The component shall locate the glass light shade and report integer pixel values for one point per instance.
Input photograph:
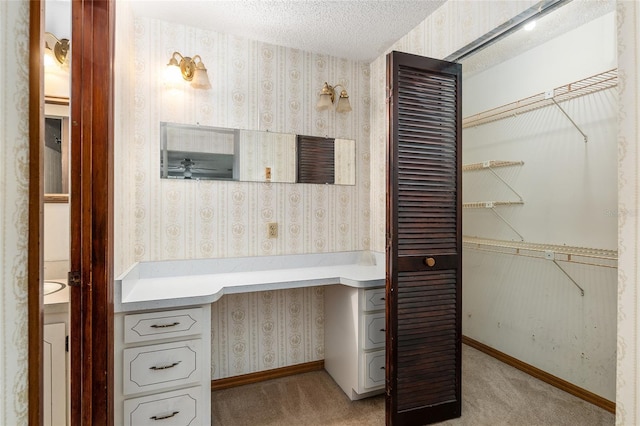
(48, 58)
(343, 104)
(200, 78)
(172, 75)
(324, 101)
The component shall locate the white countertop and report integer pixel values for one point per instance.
(153, 285)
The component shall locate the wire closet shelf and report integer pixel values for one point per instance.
(586, 86)
(580, 255)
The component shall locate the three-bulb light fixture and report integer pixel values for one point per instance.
(189, 69)
(327, 97)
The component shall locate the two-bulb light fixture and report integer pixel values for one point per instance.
(189, 69)
(56, 51)
(327, 97)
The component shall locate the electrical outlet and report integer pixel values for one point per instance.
(272, 230)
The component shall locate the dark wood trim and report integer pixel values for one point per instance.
(542, 375)
(35, 271)
(92, 212)
(56, 100)
(260, 376)
(56, 198)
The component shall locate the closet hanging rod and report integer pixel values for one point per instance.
(586, 86)
(579, 255)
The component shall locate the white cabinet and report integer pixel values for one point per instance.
(54, 380)
(355, 339)
(163, 367)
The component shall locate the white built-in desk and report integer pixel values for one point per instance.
(162, 326)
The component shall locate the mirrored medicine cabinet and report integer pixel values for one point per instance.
(195, 152)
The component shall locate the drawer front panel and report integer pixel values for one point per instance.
(177, 408)
(162, 325)
(374, 299)
(155, 367)
(374, 373)
(374, 330)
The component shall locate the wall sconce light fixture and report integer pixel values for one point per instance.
(327, 97)
(190, 69)
(57, 49)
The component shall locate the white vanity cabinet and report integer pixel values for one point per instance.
(163, 367)
(355, 339)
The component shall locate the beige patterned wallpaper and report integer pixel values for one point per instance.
(255, 86)
(14, 169)
(628, 379)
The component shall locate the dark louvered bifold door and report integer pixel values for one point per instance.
(424, 243)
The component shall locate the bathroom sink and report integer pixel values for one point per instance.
(53, 286)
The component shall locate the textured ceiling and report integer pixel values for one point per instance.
(354, 29)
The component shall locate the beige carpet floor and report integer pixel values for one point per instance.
(493, 393)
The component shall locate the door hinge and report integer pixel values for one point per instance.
(73, 278)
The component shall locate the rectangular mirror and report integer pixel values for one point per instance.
(56, 150)
(217, 153)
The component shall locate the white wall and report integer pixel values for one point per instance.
(56, 231)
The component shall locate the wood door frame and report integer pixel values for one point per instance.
(35, 255)
(91, 310)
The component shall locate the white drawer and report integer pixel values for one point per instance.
(162, 325)
(374, 330)
(153, 367)
(374, 299)
(176, 408)
(374, 373)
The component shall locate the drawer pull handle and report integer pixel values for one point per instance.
(164, 325)
(430, 262)
(168, 416)
(164, 367)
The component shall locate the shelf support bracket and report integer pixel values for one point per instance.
(507, 222)
(505, 182)
(572, 122)
(569, 276)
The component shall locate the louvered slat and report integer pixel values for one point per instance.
(417, 165)
(316, 160)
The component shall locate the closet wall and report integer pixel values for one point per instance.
(529, 307)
